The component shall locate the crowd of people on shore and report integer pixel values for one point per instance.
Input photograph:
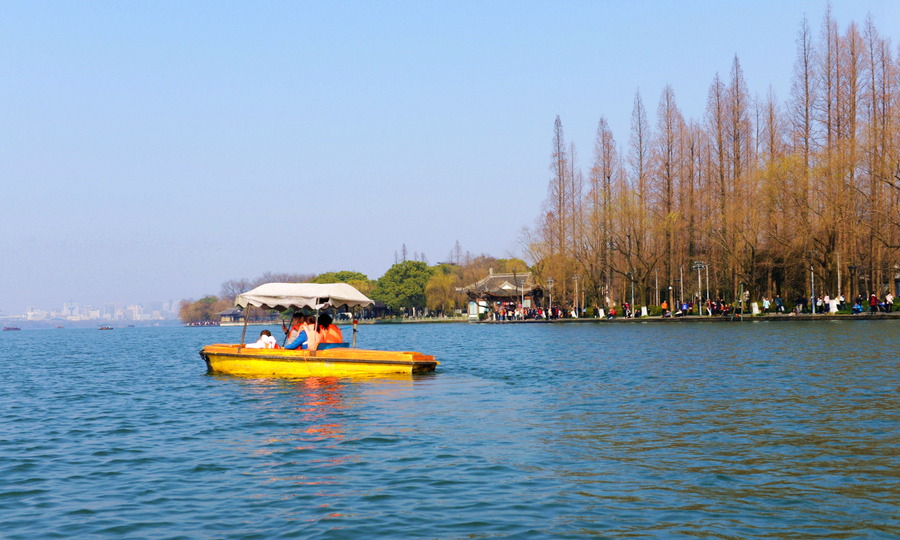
(511, 313)
(827, 304)
(711, 307)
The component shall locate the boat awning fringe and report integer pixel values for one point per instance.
(315, 296)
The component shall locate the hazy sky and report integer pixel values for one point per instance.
(151, 151)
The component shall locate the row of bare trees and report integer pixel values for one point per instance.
(234, 287)
(775, 197)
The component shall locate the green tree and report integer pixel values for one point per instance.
(360, 281)
(440, 291)
(403, 285)
(344, 276)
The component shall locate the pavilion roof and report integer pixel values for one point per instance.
(507, 285)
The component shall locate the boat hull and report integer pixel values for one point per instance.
(235, 360)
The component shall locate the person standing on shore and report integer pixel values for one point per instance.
(889, 302)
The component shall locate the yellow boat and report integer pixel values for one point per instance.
(236, 360)
(342, 360)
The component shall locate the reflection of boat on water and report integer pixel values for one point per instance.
(106, 328)
(319, 401)
(341, 360)
(10, 328)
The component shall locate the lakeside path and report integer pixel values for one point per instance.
(621, 320)
(712, 319)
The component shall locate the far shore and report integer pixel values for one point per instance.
(714, 318)
(622, 320)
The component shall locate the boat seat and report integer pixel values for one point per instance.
(325, 346)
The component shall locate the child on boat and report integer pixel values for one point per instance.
(266, 341)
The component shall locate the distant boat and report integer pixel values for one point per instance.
(59, 326)
(130, 326)
(8, 328)
(106, 328)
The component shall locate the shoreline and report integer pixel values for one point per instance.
(713, 319)
(622, 320)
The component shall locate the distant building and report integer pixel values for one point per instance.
(35, 314)
(235, 316)
(497, 290)
(231, 316)
(133, 312)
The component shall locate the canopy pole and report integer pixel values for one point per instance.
(246, 318)
(316, 330)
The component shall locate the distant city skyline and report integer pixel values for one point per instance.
(159, 149)
(111, 311)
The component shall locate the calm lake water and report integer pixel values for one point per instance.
(750, 430)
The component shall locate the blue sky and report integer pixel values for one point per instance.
(151, 151)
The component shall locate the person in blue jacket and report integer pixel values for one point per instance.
(300, 342)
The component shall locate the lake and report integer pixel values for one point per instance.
(752, 430)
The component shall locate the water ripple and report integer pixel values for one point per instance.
(726, 431)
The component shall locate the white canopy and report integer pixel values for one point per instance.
(284, 296)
